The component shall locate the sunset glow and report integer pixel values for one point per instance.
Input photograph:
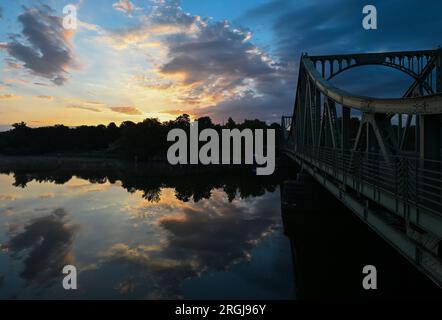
(126, 61)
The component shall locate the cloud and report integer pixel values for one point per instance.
(43, 84)
(336, 26)
(208, 63)
(44, 46)
(8, 96)
(4, 85)
(204, 65)
(125, 6)
(83, 108)
(166, 18)
(12, 65)
(50, 98)
(126, 110)
(97, 103)
(217, 57)
(266, 107)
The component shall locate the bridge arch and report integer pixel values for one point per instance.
(395, 66)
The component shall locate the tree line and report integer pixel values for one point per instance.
(149, 178)
(144, 140)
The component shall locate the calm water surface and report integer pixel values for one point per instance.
(148, 233)
(126, 242)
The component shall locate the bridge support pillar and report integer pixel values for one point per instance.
(438, 118)
(439, 71)
(345, 131)
(430, 135)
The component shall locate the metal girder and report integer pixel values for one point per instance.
(405, 70)
(421, 105)
(333, 129)
(405, 132)
(385, 138)
(421, 78)
(378, 56)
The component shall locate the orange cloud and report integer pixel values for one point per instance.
(50, 98)
(8, 96)
(83, 108)
(98, 103)
(127, 110)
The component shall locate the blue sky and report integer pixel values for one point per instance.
(132, 59)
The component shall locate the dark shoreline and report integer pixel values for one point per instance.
(149, 167)
(195, 181)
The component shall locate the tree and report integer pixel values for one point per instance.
(183, 119)
(230, 124)
(20, 125)
(127, 124)
(205, 122)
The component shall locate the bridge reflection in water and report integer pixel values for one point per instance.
(379, 157)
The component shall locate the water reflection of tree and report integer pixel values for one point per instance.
(196, 185)
(23, 178)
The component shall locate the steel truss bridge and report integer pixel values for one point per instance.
(380, 157)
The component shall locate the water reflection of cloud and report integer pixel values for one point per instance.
(207, 236)
(129, 245)
(139, 208)
(49, 240)
(6, 212)
(216, 235)
(155, 275)
(47, 196)
(83, 186)
(8, 197)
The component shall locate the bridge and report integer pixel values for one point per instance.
(380, 157)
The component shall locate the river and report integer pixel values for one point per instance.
(142, 233)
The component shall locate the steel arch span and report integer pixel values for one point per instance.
(381, 157)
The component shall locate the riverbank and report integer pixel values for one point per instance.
(79, 163)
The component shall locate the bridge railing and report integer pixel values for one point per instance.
(416, 181)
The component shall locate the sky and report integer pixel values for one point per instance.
(134, 59)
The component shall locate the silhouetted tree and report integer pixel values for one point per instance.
(230, 124)
(144, 140)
